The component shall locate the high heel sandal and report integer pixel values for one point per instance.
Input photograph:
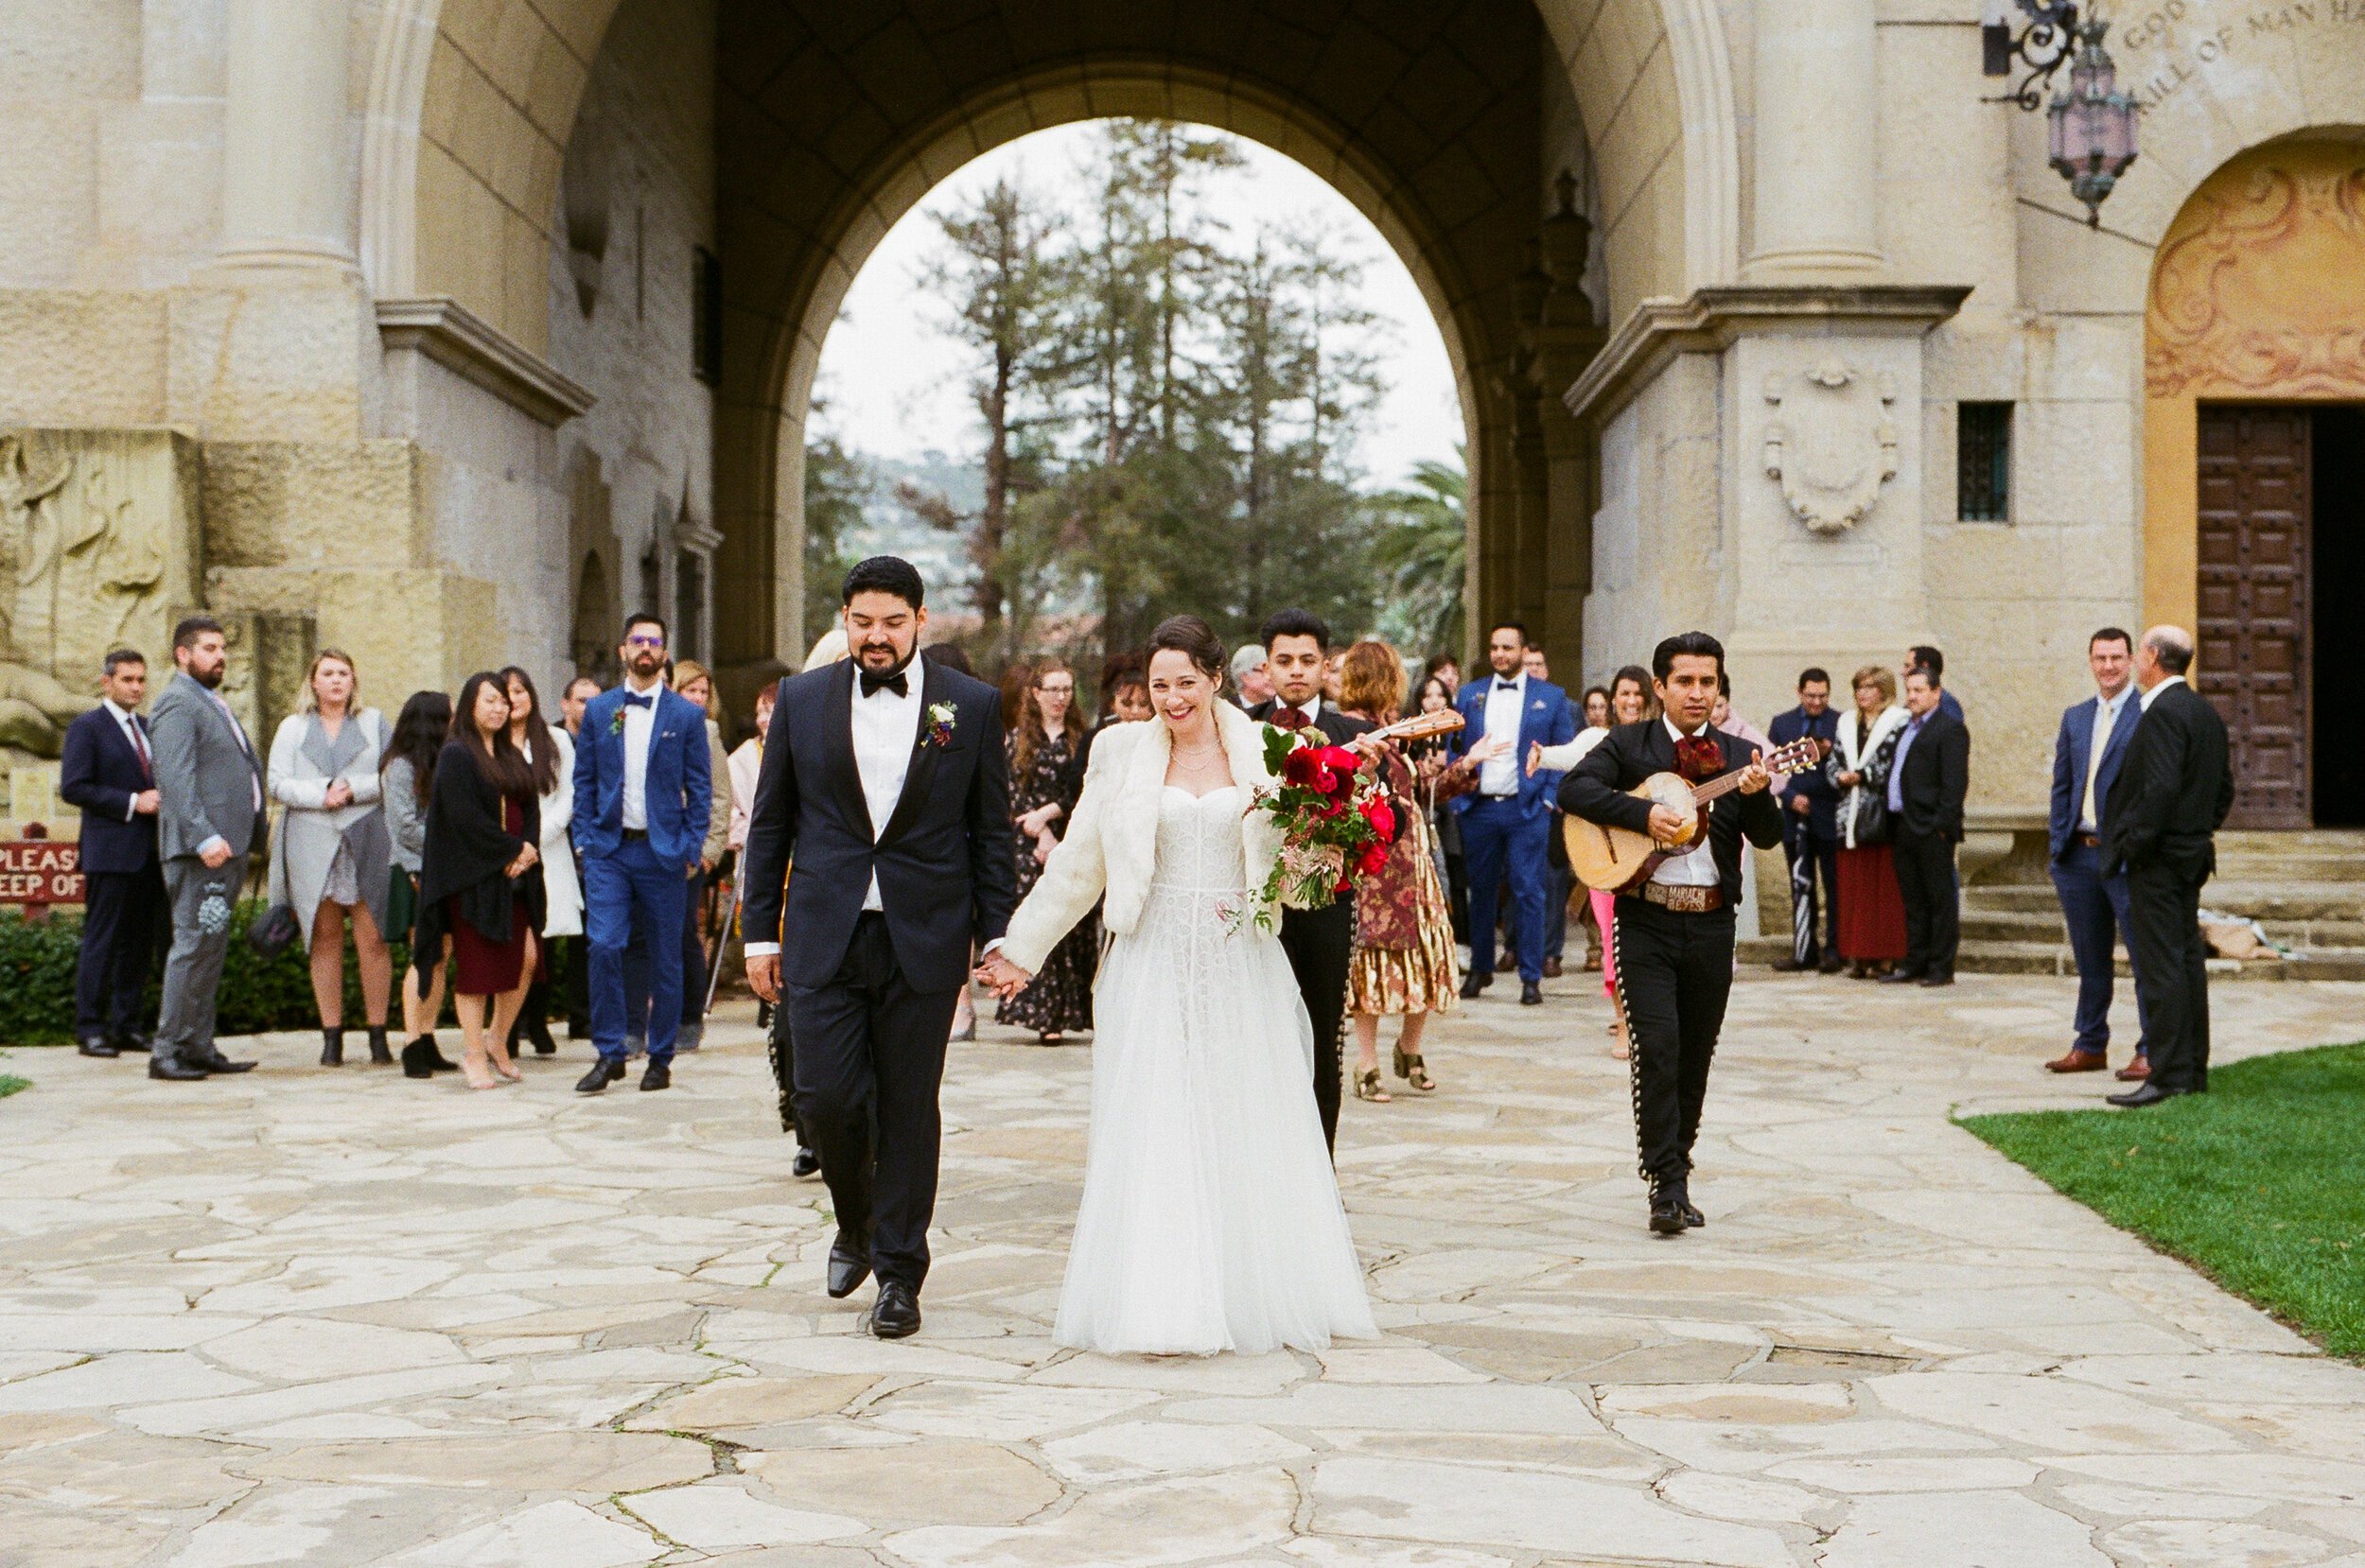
(1413, 1070)
(1367, 1087)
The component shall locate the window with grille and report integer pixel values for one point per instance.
(1982, 463)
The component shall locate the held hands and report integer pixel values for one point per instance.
(1002, 977)
(147, 802)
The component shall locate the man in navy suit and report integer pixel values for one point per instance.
(109, 774)
(2086, 758)
(644, 800)
(1507, 821)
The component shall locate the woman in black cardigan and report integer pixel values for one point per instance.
(481, 879)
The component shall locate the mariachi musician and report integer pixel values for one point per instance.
(1672, 929)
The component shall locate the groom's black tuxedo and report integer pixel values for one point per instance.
(869, 994)
(1321, 944)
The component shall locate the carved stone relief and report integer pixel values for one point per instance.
(1831, 443)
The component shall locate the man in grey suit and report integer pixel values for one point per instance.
(209, 819)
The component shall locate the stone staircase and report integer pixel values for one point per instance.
(2306, 889)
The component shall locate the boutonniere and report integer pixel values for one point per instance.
(616, 723)
(939, 730)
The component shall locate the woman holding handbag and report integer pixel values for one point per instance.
(1871, 910)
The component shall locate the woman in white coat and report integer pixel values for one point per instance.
(550, 752)
(331, 861)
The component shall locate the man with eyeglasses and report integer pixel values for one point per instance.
(644, 800)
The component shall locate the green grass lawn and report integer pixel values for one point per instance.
(9, 1086)
(2260, 1183)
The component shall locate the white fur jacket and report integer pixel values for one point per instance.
(1112, 845)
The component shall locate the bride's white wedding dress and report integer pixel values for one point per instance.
(1211, 1218)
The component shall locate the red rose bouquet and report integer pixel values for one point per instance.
(1336, 823)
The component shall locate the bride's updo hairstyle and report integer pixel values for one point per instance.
(1191, 638)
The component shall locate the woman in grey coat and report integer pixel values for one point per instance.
(332, 856)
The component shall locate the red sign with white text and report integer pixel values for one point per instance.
(40, 871)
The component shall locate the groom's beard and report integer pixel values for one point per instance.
(862, 662)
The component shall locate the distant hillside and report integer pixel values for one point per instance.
(889, 528)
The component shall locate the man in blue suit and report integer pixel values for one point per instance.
(109, 774)
(1507, 821)
(2086, 759)
(643, 798)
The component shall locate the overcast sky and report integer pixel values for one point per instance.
(896, 386)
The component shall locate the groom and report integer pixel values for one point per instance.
(883, 778)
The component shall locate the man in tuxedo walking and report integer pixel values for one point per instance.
(2087, 755)
(644, 801)
(209, 819)
(2159, 821)
(1507, 821)
(109, 774)
(1672, 929)
(1320, 942)
(1810, 829)
(884, 778)
(1928, 785)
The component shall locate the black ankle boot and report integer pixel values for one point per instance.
(418, 1058)
(1668, 1200)
(332, 1048)
(379, 1054)
(437, 1060)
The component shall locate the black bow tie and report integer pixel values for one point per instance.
(1506, 686)
(647, 700)
(899, 683)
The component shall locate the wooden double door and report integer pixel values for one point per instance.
(2281, 519)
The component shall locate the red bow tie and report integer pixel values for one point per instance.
(1697, 758)
(1288, 718)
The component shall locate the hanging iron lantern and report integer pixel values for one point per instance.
(2092, 130)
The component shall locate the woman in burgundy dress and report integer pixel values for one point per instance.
(1871, 909)
(480, 877)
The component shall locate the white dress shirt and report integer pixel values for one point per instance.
(138, 742)
(2108, 711)
(2149, 696)
(1505, 706)
(886, 729)
(639, 734)
(1695, 867)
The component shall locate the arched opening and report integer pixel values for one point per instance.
(2254, 465)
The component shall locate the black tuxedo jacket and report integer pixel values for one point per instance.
(1595, 789)
(947, 874)
(1937, 779)
(2173, 789)
(98, 774)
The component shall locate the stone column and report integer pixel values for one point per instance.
(1817, 121)
(286, 190)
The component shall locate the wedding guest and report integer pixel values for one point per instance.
(108, 773)
(746, 763)
(480, 879)
(1864, 752)
(691, 682)
(549, 757)
(210, 811)
(1560, 758)
(1560, 879)
(1507, 820)
(644, 800)
(331, 859)
(1404, 959)
(1595, 714)
(571, 703)
(1432, 758)
(1631, 701)
(1922, 657)
(1446, 668)
(406, 777)
(1044, 784)
(2163, 813)
(1596, 705)
(2087, 755)
(1927, 789)
(1252, 682)
(1810, 830)
(1124, 700)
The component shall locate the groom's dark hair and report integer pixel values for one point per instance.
(885, 574)
(1295, 623)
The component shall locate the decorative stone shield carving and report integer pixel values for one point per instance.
(1831, 443)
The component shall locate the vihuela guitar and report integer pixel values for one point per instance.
(1609, 858)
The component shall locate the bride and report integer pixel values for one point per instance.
(1211, 1218)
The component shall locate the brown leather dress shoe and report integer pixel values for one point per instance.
(2078, 1061)
(2135, 1071)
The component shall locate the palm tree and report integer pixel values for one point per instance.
(1424, 550)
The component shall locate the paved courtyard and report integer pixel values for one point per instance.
(329, 1318)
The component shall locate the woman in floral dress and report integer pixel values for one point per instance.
(1045, 783)
(1404, 957)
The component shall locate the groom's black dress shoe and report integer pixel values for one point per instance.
(850, 1266)
(896, 1313)
(2145, 1093)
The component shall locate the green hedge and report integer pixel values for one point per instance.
(257, 993)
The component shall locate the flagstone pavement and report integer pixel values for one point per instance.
(319, 1317)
